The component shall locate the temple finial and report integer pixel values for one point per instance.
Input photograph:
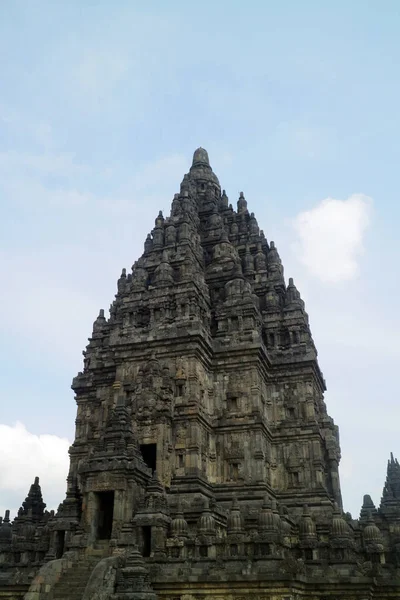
(200, 157)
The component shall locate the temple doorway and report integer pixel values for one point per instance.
(146, 540)
(149, 454)
(60, 540)
(106, 514)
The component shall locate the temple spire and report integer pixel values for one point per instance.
(33, 505)
(391, 490)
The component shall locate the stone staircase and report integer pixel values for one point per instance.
(72, 583)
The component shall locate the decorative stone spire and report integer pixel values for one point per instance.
(286, 527)
(274, 262)
(164, 274)
(234, 522)
(234, 228)
(159, 222)
(275, 512)
(248, 262)
(118, 435)
(6, 530)
(185, 186)
(148, 245)
(391, 490)
(170, 235)
(242, 203)
(307, 528)
(371, 531)
(368, 507)
(99, 323)
(372, 536)
(155, 495)
(158, 238)
(33, 506)
(179, 526)
(139, 275)
(206, 523)
(293, 299)
(266, 521)
(253, 226)
(122, 282)
(224, 202)
(340, 530)
(133, 581)
(260, 260)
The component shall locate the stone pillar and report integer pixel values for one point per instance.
(334, 472)
(158, 541)
(255, 399)
(194, 460)
(193, 453)
(118, 511)
(91, 517)
(310, 409)
(51, 553)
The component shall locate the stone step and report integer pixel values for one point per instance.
(81, 572)
(78, 575)
(82, 569)
(68, 581)
(70, 588)
(67, 593)
(74, 578)
(77, 579)
(59, 594)
(73, 582)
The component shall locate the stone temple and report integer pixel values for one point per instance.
(205, 464)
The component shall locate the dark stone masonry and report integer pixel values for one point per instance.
(205, 464)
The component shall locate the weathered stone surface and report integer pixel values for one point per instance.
(101, 583)
(48, 576)
(203, 441)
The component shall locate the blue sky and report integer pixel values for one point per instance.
(101, 107)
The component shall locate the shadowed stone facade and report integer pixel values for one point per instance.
(205, 465)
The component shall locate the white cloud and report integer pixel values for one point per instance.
(23, 456)
(330, 237)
